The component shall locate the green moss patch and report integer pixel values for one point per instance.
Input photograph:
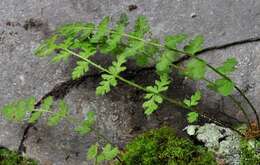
(162, 147)
(8, 157)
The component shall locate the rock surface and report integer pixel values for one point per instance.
(222, 141)
(23, 24)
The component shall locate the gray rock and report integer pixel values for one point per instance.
(222, 141)
(23, 24)
(246, 77)
(62, 145)
(119, 117)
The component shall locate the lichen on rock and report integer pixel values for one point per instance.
(224, 142)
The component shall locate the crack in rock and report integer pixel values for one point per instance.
(235, 43)
(60, 90)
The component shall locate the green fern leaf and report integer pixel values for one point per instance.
(47, 103)
(173, 40)
(92, 152)
(194, 100)
(110, 79)
(30, 104)
(45, 106)
(58, 116)
(114, 39)
(85, 126)
(47, 47)
(102, 31)
(165, 62)
(223, 87)
(192, 117)
(87, 49)
(149, 51)
(124, 20)
(17, 111)
(152, 97)
(108, 153)
(105, 85)
(62, 56)
(141, 27)
(76, 30)
(195, 69)
(228, 66)
(34, 117)
(194, 45)
(80, 70)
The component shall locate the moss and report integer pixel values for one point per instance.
(248, 154)
(8, 157)
(162, 147)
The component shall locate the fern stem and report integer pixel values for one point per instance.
(208, 65)
(236, 103)
(173, 101)
(74, 120)
(231, 97)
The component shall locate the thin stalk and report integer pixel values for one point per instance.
(175, 102)
(231, 97)
(194, 56)
(236, 103)
(208, 65)
(74, 120)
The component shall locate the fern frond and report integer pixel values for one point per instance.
(169, 56)
(76, 30)
(113, 40)
(108, 153)
(102, 31)
(45, 106)
(58, 116)
(195, 45)
(194, 100)
(141, 27)
(17, 111)
(80, 70)
(228, 66)
(105, 85)
(47, 47)
(85, 126)
(153, 98)
(195, 69)
(110, 79)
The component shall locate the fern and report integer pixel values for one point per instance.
(228, 66)
(110, 79)
(102, 31)
(153, 97)
(194, 100)
(108, 153)
(168, 57)
(58, 116)
(85, 126)
(195, 69)
(194, 45)
(192, 117)
(46, 105)
(48, 47)
(114, 39)
(80, 70)
(92, 152)
(78, 30)
(223, 86)
(17, 111)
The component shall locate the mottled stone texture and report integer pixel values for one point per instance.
(24, 23)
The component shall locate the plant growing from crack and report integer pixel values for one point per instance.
(84, 40)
